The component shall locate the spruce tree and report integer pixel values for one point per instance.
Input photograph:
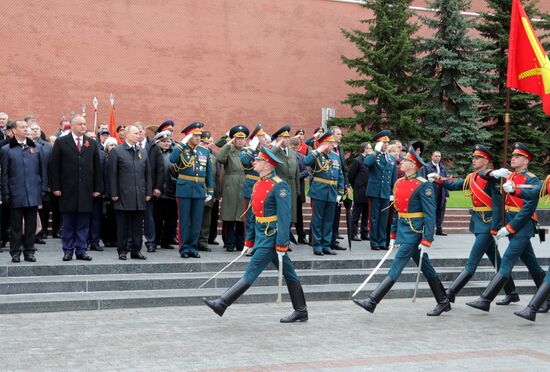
(388, 91)
(456, 66)
(529, 124)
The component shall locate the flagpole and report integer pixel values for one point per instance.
(504, 162)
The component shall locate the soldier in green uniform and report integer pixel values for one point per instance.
(540, 303)
(206, 142)
(232, 208)
(288, 170)
(412, 228)
(194, 187)
(271, 205)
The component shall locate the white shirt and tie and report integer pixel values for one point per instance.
(78, 141)
(436, 165)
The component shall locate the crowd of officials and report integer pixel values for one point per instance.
(101, 189)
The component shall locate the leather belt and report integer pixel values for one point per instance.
(411, 215)
(191, 178)
(322, 180)
(266, 219)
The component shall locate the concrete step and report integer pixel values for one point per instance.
(206, 265)
(131, 282)
(49, 302)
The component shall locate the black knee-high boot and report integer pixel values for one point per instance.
(489, 294)
(511, 293)
(231, 295)
(459, 283)
(443, 303)
(376, 296)
(298, 303)
(530, 312)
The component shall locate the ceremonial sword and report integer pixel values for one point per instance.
(418, 274)
(279, 293)
(226, 266)
(373, 272)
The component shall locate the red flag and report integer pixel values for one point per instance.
(112, 124)
(528, 64)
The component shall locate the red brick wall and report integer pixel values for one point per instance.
(221, 62)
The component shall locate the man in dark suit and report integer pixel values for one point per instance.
(75, 177)
(5, 208)
(336, 221)
(131, 188)
(359, 179)
(441, 193)
(3, 121)
(23, 183)
(157, 177)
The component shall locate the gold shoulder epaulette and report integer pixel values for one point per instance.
(421, 179)
(277, 179)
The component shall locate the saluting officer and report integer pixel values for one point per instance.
(248, 153)
(232, 208)
(194, 187)
(288, 170)
(271, 203)
(540, 303)
(382, 176)
(412, 228)
(327, 188)
(484, 192)
(519, 227)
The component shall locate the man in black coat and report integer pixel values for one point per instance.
(75, 177)
(156, 162)
(5, 208)
(131, 188)
(441, 193)
(359, 179)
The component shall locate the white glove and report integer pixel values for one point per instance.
(392, 198)
(186, 139)
(208, 198)
(432, 177)
(392, 243)
(378, 146)
(509, 187)
(254, 142)
(338, 198)
(500, 173)
(502, 233)
(280, 254)
(423, 247)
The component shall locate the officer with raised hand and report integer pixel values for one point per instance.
(194, 186)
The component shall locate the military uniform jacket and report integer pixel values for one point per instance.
(290, 173)
(484, 192)
(129, 177)
(382, 174)
(540, 191)
(194, 170)
(232, 207)
(215, 178)
(271, 206)
(23, 174)
(76, 174)
(414, 217)
(328, 178)
(520, 213)
(247, 156)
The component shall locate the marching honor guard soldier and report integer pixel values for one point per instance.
(327, 189)
(540, 303)
(382, 176)
(412, 228)
(484, 192)
(288, 170)
(247, 155)
(194, 187)
(519, 227)
(232, 208)
(271, 203)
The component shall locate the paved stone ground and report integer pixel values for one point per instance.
(339, 337)
(452, 246)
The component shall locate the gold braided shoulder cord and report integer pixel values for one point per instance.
(466, 185)
(185, 164)
(322, 168)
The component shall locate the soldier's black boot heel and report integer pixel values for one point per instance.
(298, 303)
(443, 303)
(539, 281)
(489, 294)
(511, 294)
(459, 283)
(376, 296)
(219, 305)
(530, 312)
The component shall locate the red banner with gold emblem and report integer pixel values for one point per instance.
(528, 64)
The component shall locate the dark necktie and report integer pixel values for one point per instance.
(78, 146)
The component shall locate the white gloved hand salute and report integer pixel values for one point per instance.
(379, 146)
(186, 139)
